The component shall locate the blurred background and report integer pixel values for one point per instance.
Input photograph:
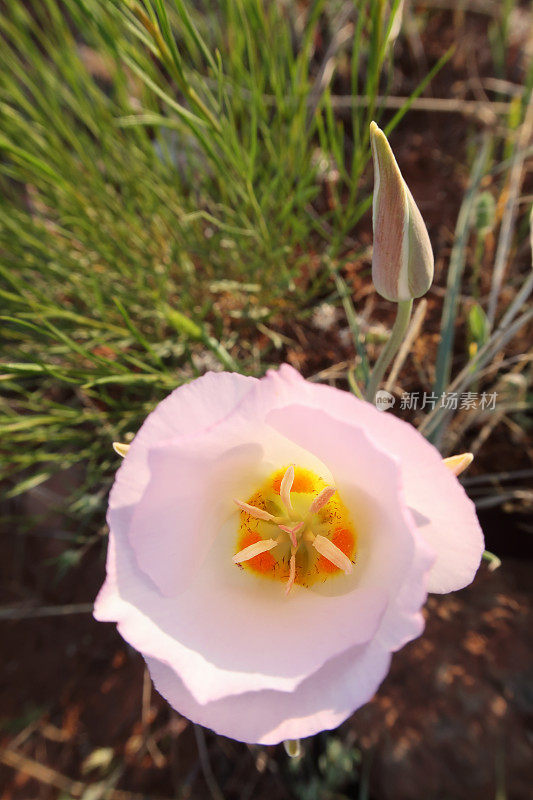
(186, 187)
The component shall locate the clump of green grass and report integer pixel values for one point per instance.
(161, 190)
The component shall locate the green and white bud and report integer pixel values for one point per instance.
(402, 260)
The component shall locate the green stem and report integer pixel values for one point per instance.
(403, 315)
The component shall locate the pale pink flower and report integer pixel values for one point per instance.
(350, 516)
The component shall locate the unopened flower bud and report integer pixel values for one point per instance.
(402, 261)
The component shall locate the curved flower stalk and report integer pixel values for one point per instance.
(271, 545)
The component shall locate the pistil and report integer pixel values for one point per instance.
(292, 531)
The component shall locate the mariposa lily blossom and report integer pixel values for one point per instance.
(272, 543)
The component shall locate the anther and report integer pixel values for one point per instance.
(458, 464)
(253, 550)
(292, 573)
(321, 499)
(330, 551)
(256, 513)
(285, 488)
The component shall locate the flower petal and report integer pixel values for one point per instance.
(188, 410)
(321, 702)
(187, 499)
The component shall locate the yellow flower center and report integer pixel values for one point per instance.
(295, 529)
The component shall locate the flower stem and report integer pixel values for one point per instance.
(401, 322)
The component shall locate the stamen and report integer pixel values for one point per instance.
(120, 449)
(458, 464)
(330, 551)
(254, 550)
(292, 574)
(286, 486)
(321, 499)
(256, 513)
(296, 504)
